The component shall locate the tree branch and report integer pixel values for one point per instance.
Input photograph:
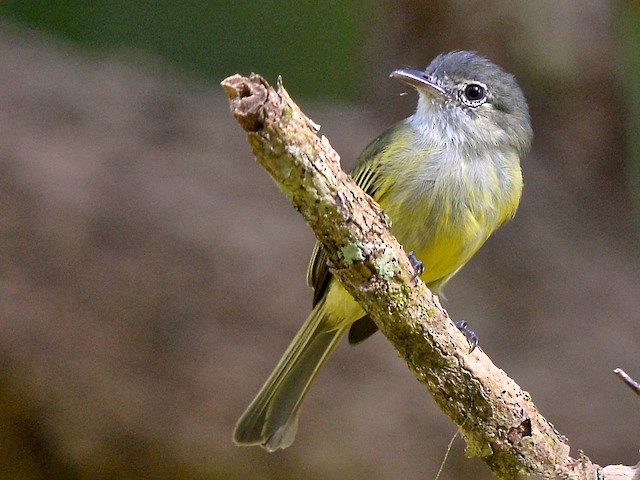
(497, 418)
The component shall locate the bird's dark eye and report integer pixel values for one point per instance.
(473, 91)
(474, 94)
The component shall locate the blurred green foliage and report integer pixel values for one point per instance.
(630, 42)
(315, 46)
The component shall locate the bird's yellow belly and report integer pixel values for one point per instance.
(442, 257)
(444, 227)
(443, 242)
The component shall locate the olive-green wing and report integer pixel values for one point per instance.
(366, 176)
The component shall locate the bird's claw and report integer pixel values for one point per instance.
(418, 267)
(469, 334)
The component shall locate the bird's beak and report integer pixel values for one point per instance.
(419, 80)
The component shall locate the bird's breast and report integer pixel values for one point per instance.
(445, 205)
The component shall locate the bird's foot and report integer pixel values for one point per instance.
(418, 267)
(469, 334)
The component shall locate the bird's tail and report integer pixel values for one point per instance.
(271, 420)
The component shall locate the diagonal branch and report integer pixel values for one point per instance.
(497, 418)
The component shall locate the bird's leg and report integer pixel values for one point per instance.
(418, 267)
(469, 334)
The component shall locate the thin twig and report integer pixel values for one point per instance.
(633, 385)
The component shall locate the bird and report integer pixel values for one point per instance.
(447, 177)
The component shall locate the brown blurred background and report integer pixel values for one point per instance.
(152, 274)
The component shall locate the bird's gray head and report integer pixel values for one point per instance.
(469, 100)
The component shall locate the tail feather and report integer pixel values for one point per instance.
(271, 420)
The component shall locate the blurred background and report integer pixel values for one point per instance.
(152, 274)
